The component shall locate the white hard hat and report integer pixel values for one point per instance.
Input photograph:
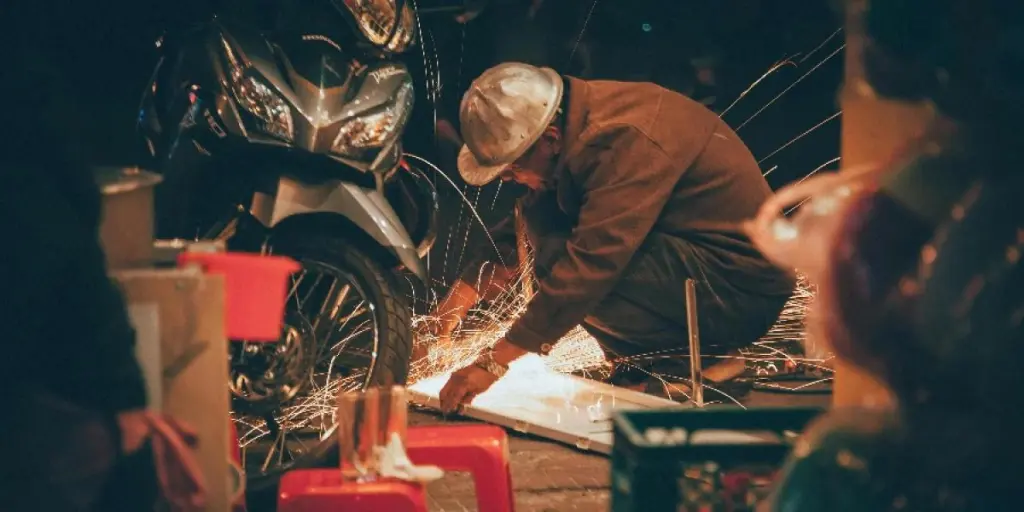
(503, 113)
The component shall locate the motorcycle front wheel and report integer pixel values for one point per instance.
(347, 328)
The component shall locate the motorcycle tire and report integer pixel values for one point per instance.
(393, 317)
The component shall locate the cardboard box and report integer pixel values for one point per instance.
(183, 350)
(126, 232)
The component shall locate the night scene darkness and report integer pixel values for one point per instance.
(512, 255)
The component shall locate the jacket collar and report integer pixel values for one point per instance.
(576, 115)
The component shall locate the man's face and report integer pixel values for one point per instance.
(535, 169)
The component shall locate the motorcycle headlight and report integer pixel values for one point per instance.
(379, 20)
(273, 116)
(374, 130)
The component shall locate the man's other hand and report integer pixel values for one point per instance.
(463, 386)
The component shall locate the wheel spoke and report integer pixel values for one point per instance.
(334, 325)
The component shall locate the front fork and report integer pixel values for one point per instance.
(241, 232)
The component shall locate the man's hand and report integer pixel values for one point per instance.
(463, 386)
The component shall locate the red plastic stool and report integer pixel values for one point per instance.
(321, 490)
(479, 449)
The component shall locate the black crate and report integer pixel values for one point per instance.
(698, 457)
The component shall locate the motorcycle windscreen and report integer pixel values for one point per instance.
(320, 75)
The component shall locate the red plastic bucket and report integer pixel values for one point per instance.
(256, 288)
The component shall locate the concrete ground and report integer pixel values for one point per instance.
(546, 476)
(551, 477)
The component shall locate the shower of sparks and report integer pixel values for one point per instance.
(791, 86)
(583, 30)
(578, 352)
(802, 135)
(484, 326)
(775, 67)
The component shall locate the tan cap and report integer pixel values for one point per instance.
(503, 113)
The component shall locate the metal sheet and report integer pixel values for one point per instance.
(534, 400)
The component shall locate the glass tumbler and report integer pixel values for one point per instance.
(367, 421)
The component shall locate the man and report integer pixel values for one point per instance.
(633, 190)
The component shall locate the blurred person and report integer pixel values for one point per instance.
(924, 284)
(633, 190)
(924, 292)
(76, 430)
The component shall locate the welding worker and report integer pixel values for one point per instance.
(633, 189)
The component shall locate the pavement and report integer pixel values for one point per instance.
(546, 476)
(552, 477)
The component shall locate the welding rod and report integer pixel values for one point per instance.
(696, 370)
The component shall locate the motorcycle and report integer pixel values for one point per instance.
(287, 140)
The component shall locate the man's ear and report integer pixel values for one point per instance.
(553, 135)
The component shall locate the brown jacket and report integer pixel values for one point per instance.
(641, 159)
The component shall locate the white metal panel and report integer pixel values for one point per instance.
(535, 400)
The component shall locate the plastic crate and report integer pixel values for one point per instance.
(700, 460)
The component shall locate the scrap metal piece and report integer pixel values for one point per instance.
(535, 400)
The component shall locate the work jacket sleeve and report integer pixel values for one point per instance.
(503, 251)
(625, 180)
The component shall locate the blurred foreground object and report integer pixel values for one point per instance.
(126, 232)
(963, 56)
(715, 459)
(372, 427)
(873, 128)
(926, 279)
(802, 240)
(481, 450)
(179, 318)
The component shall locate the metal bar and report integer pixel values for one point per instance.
(696, 369)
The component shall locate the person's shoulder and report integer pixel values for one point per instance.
(677, 125)
(617, 110)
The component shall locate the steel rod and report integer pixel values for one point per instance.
(692, 325)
